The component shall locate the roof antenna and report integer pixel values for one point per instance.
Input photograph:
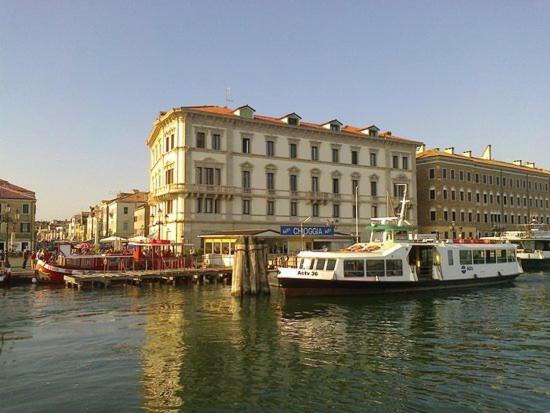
(228, 96)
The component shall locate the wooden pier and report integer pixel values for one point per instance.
(168, 276)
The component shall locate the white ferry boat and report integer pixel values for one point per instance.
(394, 261)
(533, 246)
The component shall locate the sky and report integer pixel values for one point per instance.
(81, 82)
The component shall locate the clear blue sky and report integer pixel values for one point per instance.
(82, 81)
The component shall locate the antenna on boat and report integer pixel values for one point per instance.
(403, 204)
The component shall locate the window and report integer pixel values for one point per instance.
(125, 210)
(462, 195)
(314, 153)
(172, 141)
(398, 190)
(26, 208)
(169, 176)
(270, 178)
(320, 264)
(293, 150)
(501, 256)
(169, 206)
(246, 145)
(354, 185)
(445, 215)
(374, 188)
(335, 186)
(375, 268)
(452, 174)
(453, 195)
(315, 209)
(432, 173)
(294, 183)
(444, 173)
(335, 155)
(336, 210)
(394, 268)
(246, 206)
(246, 179)
(465, 257)
(331, 264)
(395, 162)
(201, 140)
(293, 209)
(512, 256)
(374, 211)
(432, 193)
(24, 227)
(216, 141)
(433, 215)
(354, 268)
(450, 257)
(372, 159)
(445, 193)
(167, 144)
(314, 184)
(354, 157)
(461, 175)
(292, 121)
(490, 256)
(270, 207)
(479, 256)
(405, 162)
(199, 205)
(270, 148)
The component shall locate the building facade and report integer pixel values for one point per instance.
(78, 227)
(141, 220)
(460, 195)
(17, 217)
(217, 169)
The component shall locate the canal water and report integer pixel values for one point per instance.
(194, 348)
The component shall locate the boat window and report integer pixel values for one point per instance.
(354, 268)
(501, 255)
(311, 264)
(320, 265)
(479, 256)
(375, 268)
(465, 257)
(450, 257)
(331, 264)
(511, 255)
(490, 256)
(394, 268)
(301, 263)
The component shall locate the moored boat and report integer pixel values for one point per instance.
(396, 261)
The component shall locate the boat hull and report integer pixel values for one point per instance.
(535, 264)
(308, 287)
(53, 274)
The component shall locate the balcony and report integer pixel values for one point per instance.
(192, 190)
(319, 197)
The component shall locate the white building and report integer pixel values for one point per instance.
(215, 169)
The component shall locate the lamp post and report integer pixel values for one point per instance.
(357, 214)
(302, 232)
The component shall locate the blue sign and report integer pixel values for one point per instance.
(308, 230)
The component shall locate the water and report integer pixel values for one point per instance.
(195, 348)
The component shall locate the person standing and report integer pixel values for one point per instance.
(26, 255)
(33, 260)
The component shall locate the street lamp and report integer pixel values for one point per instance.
(302, 232)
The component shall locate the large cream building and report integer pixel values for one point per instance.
(17, 217)
(215, 169)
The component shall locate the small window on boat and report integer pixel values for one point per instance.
(394, 268)
(511, 255)
(354, 268)
(375, 268)
(490, 256)
(465, 257)
(450, 257)
(310, 264)
(501, 256)
(331, 264)
(479, 256)
(320, 265)
(301, 263)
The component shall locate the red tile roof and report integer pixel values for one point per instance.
(11, 191)
(219, 110)
(431, 153)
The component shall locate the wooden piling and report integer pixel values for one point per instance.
(253, 265)
(238, 267)
(264, 282)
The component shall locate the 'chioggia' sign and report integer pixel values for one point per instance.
(309, 230)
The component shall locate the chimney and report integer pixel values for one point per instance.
(487, 153)
(450, 150)
(530, 164)
(518, 162)
(467, 154)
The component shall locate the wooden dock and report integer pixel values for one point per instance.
(167, 276)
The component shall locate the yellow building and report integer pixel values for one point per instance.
(17, 217)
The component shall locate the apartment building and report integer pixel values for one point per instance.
(216, 169)
(17, 217)
(78, 227)
(115, 217)
(461, 195)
